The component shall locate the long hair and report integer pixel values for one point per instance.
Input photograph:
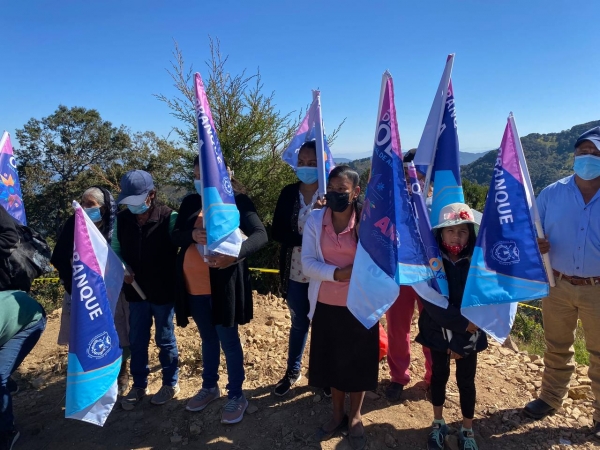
(466, 252)
(352, 175)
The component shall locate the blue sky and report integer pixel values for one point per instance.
(536, 58)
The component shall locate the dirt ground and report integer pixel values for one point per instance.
(506, 380)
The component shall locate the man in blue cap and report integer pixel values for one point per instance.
(570, 214)
(142, 239)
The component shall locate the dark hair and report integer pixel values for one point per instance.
(238, 187)
(348, 172)
(409, 155)
(466, 252)
(311, 145)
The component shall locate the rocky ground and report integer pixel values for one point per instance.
(506, 380)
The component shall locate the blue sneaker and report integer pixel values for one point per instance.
(466, 440)
(437, 436)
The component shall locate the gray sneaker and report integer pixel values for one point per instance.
(165, 394)
(233, 412)
(133, 398)
(201, 400)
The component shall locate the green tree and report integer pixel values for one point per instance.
(252, 131)
(167, 162)
(475, 194)
(55, 154)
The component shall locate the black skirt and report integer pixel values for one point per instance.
(343, 354)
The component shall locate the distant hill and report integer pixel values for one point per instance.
(468, 158)
(360, 165)
(341, 160)
(549, 157)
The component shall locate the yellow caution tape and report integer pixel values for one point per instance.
(264, 270)
(529, 306)
(47, 280)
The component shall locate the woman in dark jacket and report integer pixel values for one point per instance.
(218, 295)
(447, 333)
(294, 205)
(101, 208)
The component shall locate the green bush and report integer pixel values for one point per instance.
(48, 293)
(528, 330)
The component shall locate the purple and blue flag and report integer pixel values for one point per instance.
(506, 266)
(10, 187)
(221, 216)
(94, 359)
(438, 152)
(311, 128)
(390, 251)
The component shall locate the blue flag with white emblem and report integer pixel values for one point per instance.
(506, 266)
(94, 359)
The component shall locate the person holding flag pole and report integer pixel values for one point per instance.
(217, 229)
(295, 203)
(142, 240)
(569, 212)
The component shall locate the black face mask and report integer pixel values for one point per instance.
(337, 201)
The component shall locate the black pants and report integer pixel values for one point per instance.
(465, 379)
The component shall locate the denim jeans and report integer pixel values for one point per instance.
(215, 337)
(297, 300)
(140, 322)
(12, 354)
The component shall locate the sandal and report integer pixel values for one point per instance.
(358, 442)
(323, 435)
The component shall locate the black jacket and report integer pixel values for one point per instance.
(433, 320)
(63, 250)
(231, 291)
(9, 238)
(150, 253)
(285, 230)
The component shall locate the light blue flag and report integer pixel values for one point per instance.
(94, 359)
(310, 127)
(220, 213)
(506, 266)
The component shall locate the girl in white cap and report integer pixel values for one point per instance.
(447, 333)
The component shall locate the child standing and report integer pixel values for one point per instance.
(447, 333)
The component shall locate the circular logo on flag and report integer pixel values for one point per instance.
(227, 186)
(506, 252)
(99, 346)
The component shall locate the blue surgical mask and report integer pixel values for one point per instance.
(94, 214)
(587, 167)
(307, 175)
(138, 209)
(198, 186)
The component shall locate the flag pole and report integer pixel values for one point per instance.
(320, 146)
(200, 142)
(533, 210)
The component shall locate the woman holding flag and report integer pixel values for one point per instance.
(344, 355)
(294, 205)
(216, 292)
(447, 333)
(100, 206)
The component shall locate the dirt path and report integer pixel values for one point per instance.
(506, 380)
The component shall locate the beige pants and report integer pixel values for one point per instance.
(561, 309)
(121, 321)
